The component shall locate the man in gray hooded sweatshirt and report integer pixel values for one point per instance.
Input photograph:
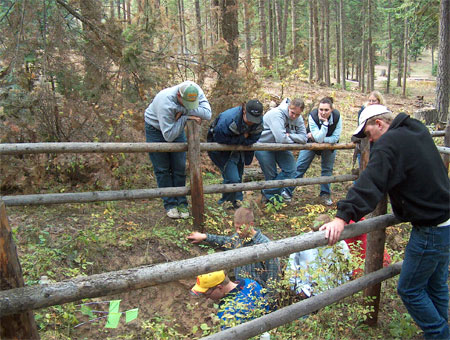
(165, 119)
(283, 124)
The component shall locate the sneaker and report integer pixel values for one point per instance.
(286, 196)
(184, 212)
(327, 200)
(173, 213)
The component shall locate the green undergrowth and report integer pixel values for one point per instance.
(63, 242)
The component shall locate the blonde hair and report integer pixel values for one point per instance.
(244, 216)
(378, 96)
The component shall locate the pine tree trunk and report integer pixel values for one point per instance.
(279, 26)
(370, 74)
(230, 31)
(201, 69)
(248, 42)
(320, 10)
(262, 32)
(284, 24)
(294, 9)
(129, 12)
(311, 42)
(275, 35)
(388, 81)
(326, 7)
(443, 75)
(318, 60)
(271, 30)
(341, 29)
(362, 80)
(405, 56)
(338, 42)
(94, 52)
(399, 64)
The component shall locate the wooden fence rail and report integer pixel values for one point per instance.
(18, 300)
(96, 196)
(37, 148)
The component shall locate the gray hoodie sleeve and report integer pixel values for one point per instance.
(298, 133)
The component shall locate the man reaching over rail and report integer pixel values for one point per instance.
(267, 272)
(405, 163)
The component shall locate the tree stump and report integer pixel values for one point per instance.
(427, 114)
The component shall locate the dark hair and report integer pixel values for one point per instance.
(327, 100)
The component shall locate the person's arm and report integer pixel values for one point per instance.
(221, 241)
(365, 194)
(317, 134)
(227, 132)
(300, 135)
(334, 138)
(253, 135)
(196, 237)
(171, 127)
(277, 127)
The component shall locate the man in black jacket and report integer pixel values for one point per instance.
(405, 163)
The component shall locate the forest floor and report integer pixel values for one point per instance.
(63, 242)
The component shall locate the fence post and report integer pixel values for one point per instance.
(195, 171)
(375, 246)
(15, 326)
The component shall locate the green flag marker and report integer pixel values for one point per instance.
(113, 320)
(114, 306)
(131, 314)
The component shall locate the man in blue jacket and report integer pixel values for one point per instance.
(241, 125)
(405, 163)
(165, 119)
(239, 301)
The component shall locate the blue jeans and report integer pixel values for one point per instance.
(169, 167)
(423, 280)
(232, 173)
(305, 157)
(268, 161)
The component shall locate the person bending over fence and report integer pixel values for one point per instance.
(165, 119)
(283, 124)
(324, 126)
(266, 273)
(239, 301)
(405, 163)
(241, 125)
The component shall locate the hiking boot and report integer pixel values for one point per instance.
(327, 200)
(286, 196)
(173, 213)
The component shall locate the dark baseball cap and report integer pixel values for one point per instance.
(254, 111)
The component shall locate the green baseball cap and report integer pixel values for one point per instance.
(189, 95)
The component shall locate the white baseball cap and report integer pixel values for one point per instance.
(369, 112)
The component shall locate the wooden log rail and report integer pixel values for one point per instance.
(305, 307)
(36, 148)
(444, 150)
(96, 196)
(18, 300)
